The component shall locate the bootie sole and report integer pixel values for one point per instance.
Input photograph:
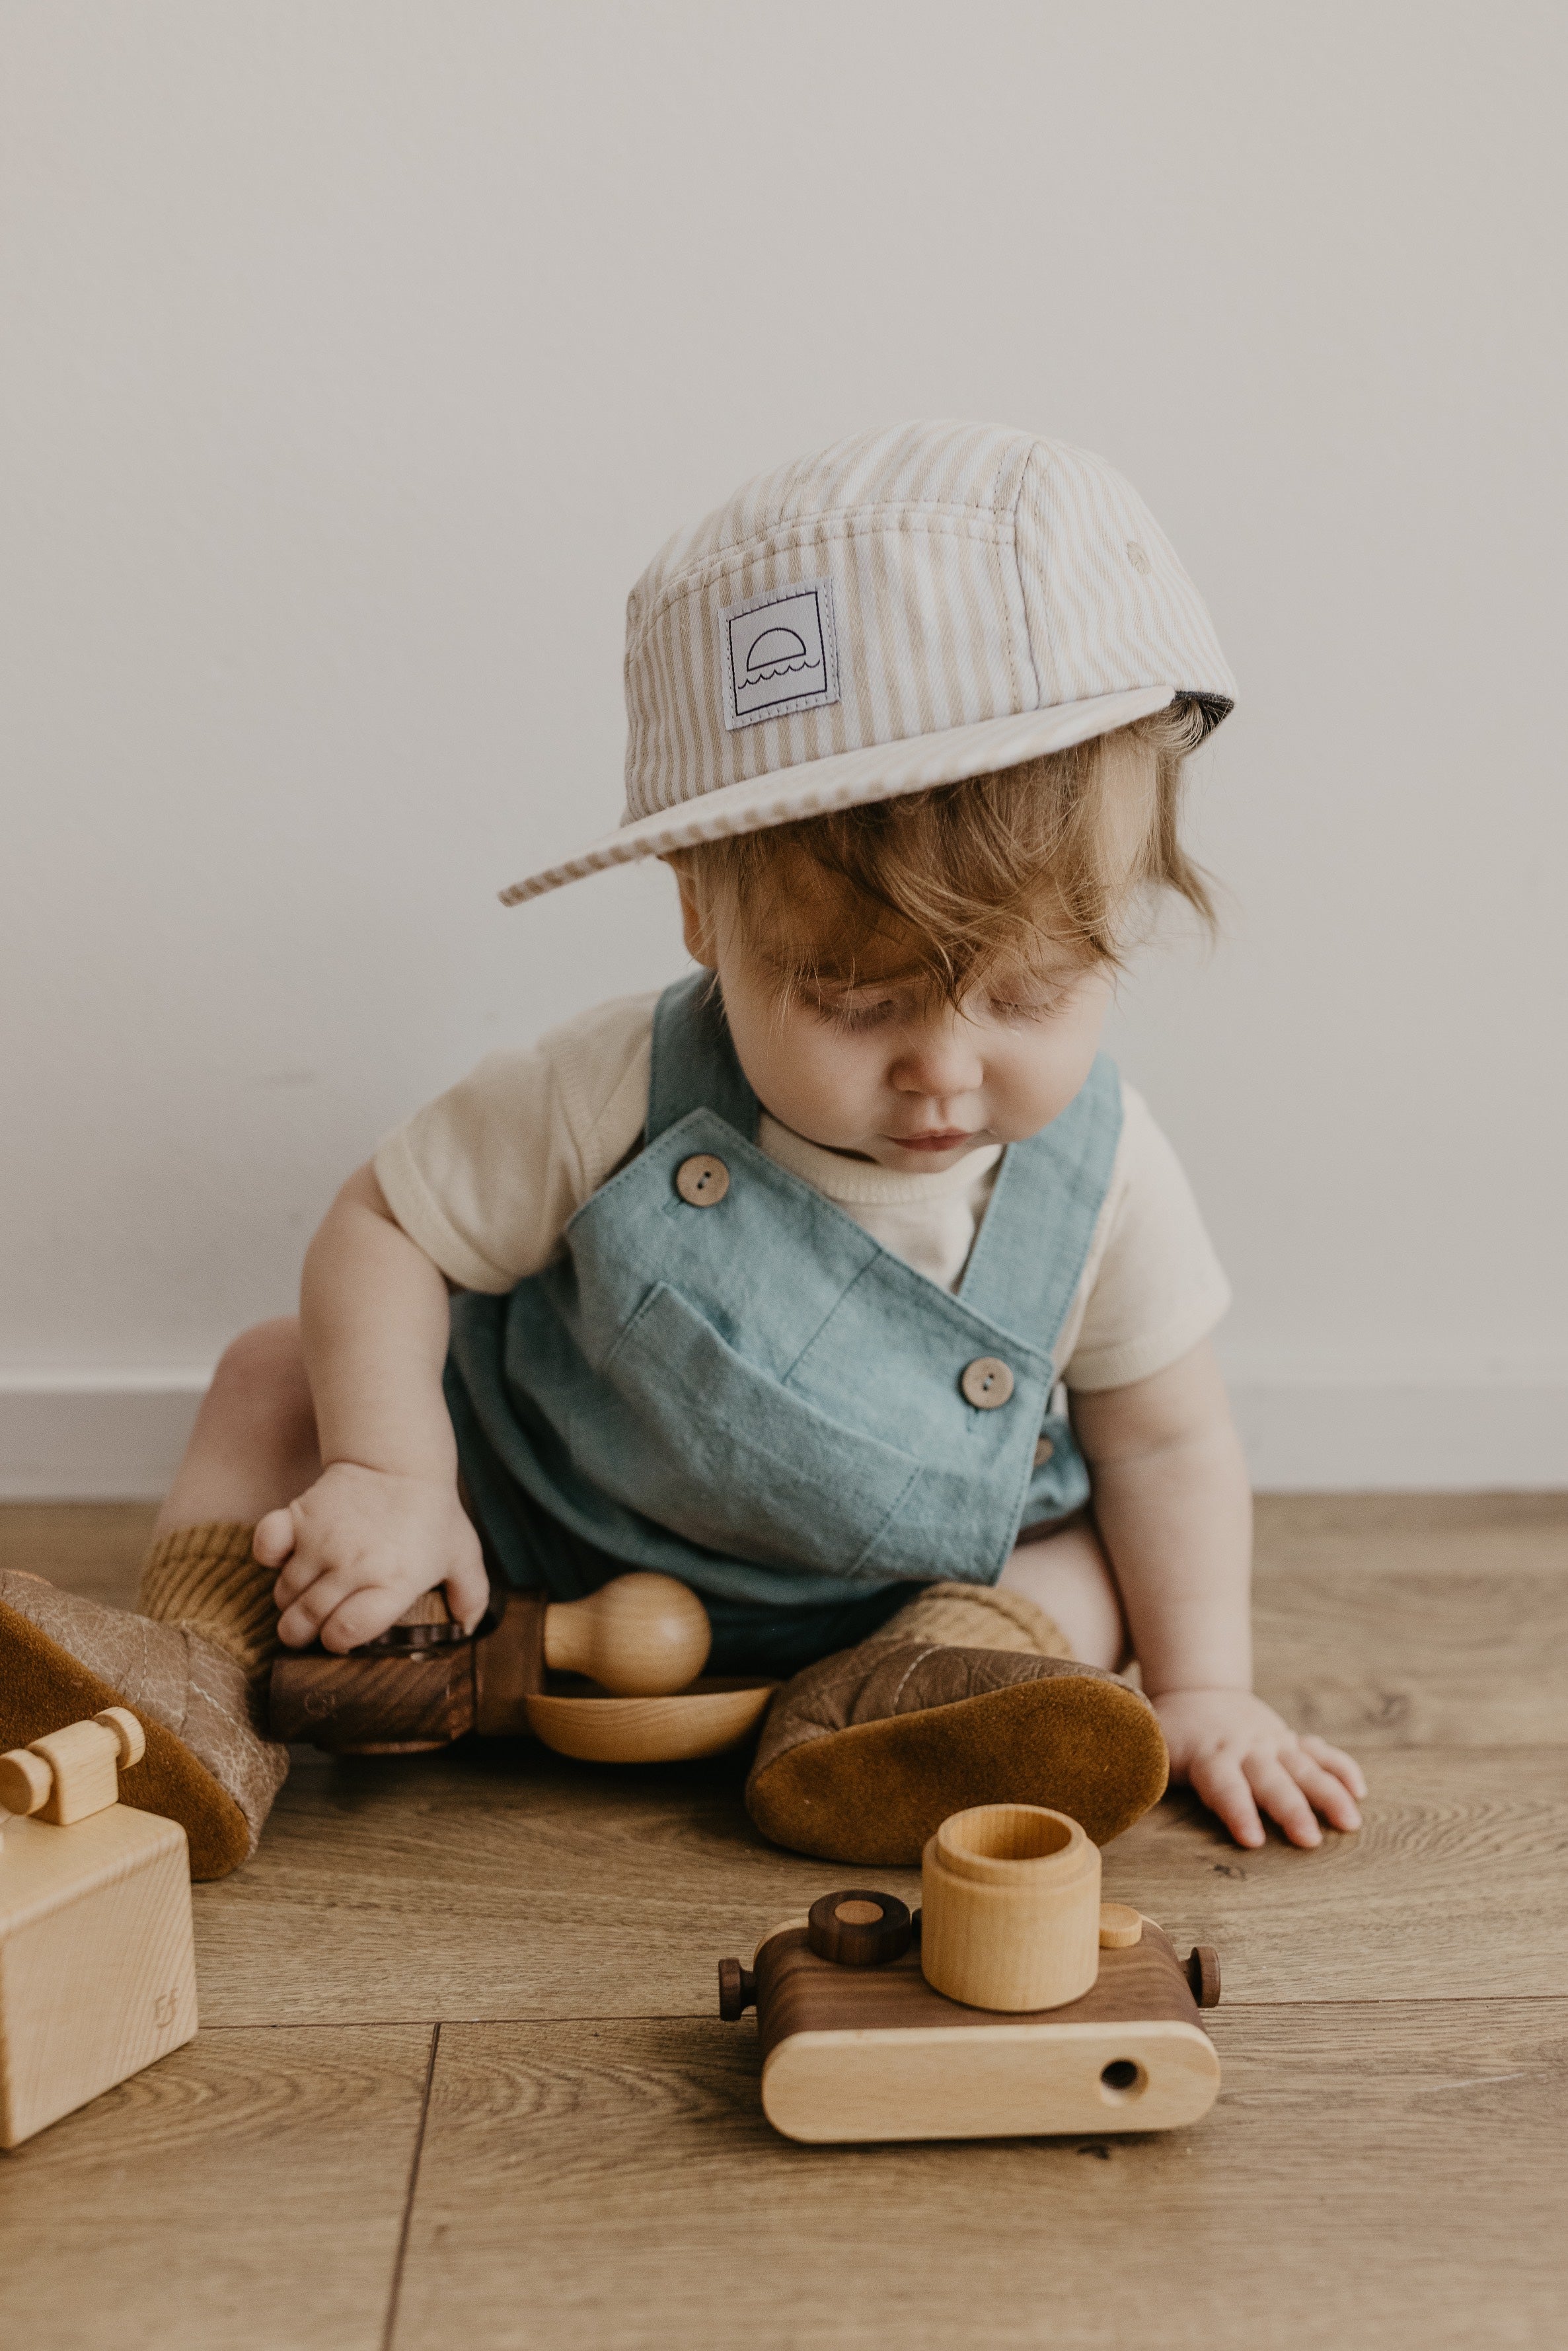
(42, 1687)
(1086, 1746)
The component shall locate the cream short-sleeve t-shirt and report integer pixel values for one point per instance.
(486, 1178)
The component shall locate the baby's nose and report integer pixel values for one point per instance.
(941, 1064)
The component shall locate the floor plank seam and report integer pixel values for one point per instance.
(393, 2297)
(709, 2016)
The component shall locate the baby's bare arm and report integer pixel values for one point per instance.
(383, 1523)
(1175, 1510)
(373, 1317)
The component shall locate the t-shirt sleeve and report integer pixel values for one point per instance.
(1152, 1287)
(486, 1177)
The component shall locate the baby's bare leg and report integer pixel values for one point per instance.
(254, 1447)
(1069, 1575)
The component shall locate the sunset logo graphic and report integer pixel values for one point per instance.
(775, 653)
(780, 653)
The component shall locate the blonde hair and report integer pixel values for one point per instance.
(1054, 851)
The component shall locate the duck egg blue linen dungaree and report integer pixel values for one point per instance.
(744, 1389)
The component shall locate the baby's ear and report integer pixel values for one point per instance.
(1128, 777)
(696, 918)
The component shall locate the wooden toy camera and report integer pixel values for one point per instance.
(1012, 2002)
(614, 1678)
(96, 1972)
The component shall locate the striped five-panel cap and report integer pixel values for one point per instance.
(904, 609)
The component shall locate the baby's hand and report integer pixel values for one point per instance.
(1236, 1754)
(359, 1545)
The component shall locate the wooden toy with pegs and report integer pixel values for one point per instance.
(96, 1972)
(1013, 2003)
(628, 1687)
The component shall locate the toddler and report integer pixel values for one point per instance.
(845, 1280)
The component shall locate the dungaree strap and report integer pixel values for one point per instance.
(1029, 1254)
(694, 1062)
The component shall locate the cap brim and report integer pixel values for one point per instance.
(882, 771)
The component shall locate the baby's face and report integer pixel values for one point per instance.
(882, 1069)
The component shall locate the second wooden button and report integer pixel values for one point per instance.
(702, 1181)
(987, 1382)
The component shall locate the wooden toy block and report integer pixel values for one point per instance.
(859, 2043)
(627, 1661)
(96, 1970)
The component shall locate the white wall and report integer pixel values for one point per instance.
(360, 353)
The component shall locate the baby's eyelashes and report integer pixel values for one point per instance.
(851, 1012)
(1031, 1007)
(855, 1013)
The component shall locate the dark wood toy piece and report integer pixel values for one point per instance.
(871, 2051)
(423, 1686)
(859, 1929)
(1203, 1974)
(426, 1682)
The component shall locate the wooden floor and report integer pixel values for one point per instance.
(460, 2081)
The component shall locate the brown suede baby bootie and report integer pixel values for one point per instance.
(965, 1697)
(191, 1666)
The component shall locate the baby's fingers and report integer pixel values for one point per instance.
(303, 1577)
(1282, 1800)
(467, 1588)
(308, 1610)
(303, 1572)
(1334, 1759)
(1330, 1796)
(1222, 1784)
(273, 1541)
(362, 1616)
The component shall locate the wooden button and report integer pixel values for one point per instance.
(1042, 1452)
(1119, 1926)
(702, 1181)
(987, 1382)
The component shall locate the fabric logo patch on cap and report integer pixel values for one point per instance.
(780, 654)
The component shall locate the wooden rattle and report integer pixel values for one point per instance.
(96, 1972)
(641, 1640)
(1013, 2002)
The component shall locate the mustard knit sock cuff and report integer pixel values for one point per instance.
(976, 1616)
(205, 1579)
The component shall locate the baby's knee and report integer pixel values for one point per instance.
(254, 1445)
(1069, 1575)
(261, 1374)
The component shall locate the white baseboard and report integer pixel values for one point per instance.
(110, 1436)
(117, 1437)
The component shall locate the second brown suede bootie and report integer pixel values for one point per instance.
(192, 1667)
(965, 1697)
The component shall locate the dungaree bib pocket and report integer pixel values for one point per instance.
(734, 1460)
